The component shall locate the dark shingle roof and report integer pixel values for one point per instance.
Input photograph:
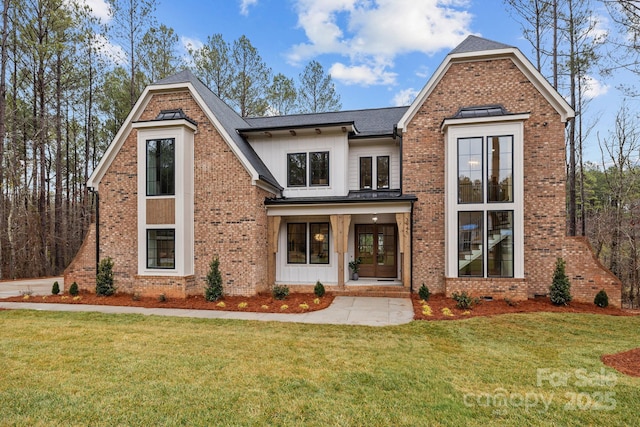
(229, 119)
(477, 44)
(374, 122)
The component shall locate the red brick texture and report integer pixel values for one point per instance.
(82, 269)
(493, 81)
(229, 212)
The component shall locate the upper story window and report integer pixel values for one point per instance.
(161, 167)
(317, 165)
(495, 185)
(381, 172)
(485, 198)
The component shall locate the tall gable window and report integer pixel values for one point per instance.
(365, 173)
(485, 200)
(161, 167)
(317, 165)
(382, 171)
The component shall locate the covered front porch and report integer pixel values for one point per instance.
(312, 240)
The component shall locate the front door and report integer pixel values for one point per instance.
(376, 247)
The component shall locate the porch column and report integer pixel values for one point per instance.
(340, 228)
(404, 239)
(273, 230)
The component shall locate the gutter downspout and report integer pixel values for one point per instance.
(97, 201)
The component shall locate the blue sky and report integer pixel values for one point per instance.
(379, 52)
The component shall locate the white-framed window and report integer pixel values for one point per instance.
(485, 200)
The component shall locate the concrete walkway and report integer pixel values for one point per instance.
(345, 310)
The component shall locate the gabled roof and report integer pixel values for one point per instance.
(228, 118)
(368, 123)
(223, 117)
(478, 48)
(478, 44)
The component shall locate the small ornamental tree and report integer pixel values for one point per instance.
(560, 289)
(213, 291)
(55, 289)
(424, 292)
(73, 289)
(601, 299)
(105, 285)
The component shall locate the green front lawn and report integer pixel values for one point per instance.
(96, 369)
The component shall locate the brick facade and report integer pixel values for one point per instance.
(485, 82)
(230, 217)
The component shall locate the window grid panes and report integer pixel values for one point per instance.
(319, 243)
(160, 167)
(382, 171)
(470, 185)
(500, 243)
(365, 173)
(297, 170)
(296, 243)
(319, 168)
(470, 244)
(500, 169)
(161, 248)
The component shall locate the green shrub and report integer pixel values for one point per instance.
(424, 292)
(280, 291)
(214, 291)
(601, 299)
(73, 289)
(464, 301)
(105, 285)
(55, 289)
(319, 289)
(560, 289)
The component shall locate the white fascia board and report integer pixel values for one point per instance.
(225, 135)
(524, 65)
(339, 208)
(118, 140)
(483, 120)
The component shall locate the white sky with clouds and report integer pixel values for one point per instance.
(379, 52)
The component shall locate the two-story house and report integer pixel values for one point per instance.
(462, 190)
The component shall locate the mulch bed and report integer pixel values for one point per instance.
(438, 303)
(263, 303)
(627, 362)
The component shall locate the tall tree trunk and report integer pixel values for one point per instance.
(3, 110)
(57, 222)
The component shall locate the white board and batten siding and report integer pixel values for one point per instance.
(374, 149)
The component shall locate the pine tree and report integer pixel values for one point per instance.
(560, 289)
(213, 291)
(104, 279)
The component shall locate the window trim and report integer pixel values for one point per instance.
(482, 162)
(508, 126)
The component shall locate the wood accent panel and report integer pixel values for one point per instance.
(161, 211)
(404, 238)
(273, 231)
(340, 227)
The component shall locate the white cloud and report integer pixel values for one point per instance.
(592, 88)
(404, 97)
(244, 6)
(363, 75)
(371, 33)
(99, 9)
(189, 43)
